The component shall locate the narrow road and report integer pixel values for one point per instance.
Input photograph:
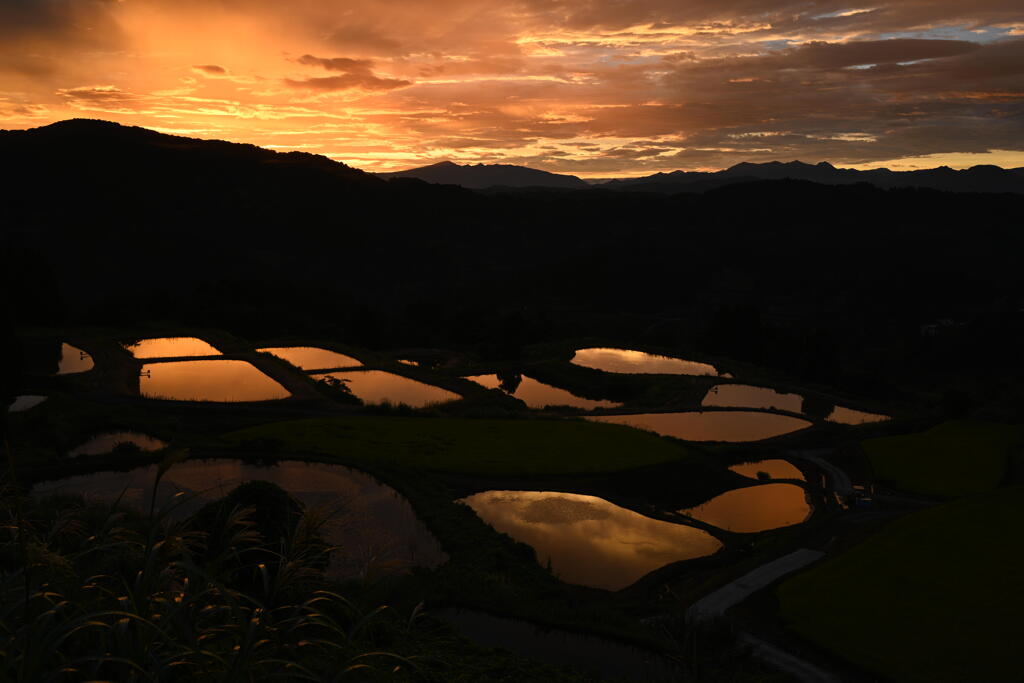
(715, 604)
(840, 481)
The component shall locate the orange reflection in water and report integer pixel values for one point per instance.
(624, 360)
(172, 347)
(849, 416)
(208, 380)
(754, 508)
(744, 396)
(775, 469)
(372, 522)
(377, 386)
(733, 425)
(73, 360)
(587, 540)
(538, 395)
(312, 358)
(105, 443)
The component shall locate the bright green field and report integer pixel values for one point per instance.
(953, 459)
(473, 446)
(936, 596)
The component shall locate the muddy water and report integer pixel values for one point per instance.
(627, 361)
(754, 508)
(732, 426)
(208, 380)
(587, 540)
(372, 523)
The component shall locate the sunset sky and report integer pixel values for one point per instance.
(590, 87)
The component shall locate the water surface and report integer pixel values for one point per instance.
(745, 396)
(849, 416)
(537, 394)
(73, 360)
(373, 523)
(172, 347)
(25, 402)
(208, 380)
(775, 469)
(312, 358)
(587, 540)
(377, 386)
(627, 361)
(754, 508)
(732, 425)
(105, 443)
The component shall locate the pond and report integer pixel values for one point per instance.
(849, 416)
(745, 396)
(627, 361)
(732, 425)
(374, 525)
(208, 380)
(600, 657)
(171, 347)
(537, 394)
(73, 360)
(107, 442)
(312, 358)
(587, 540)
(377, 386)
(25, 402)
(754, 508)
(775, 469)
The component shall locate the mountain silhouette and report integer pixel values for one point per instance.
(483, 176)
(975, 179)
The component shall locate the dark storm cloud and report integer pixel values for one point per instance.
(355, 73)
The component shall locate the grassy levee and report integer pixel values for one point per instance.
(935, 596)
(484, 446)
(958, 458)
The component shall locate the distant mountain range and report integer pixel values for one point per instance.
(483, 176)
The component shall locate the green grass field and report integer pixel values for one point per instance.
(935, 596)
(523, 447)
(958, 458)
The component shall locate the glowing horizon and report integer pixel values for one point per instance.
(596, 90)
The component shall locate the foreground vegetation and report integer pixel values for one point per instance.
(499, 447)
(958, 458)
(935, 596)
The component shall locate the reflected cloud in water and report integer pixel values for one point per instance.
(588, 540)
(627, 361)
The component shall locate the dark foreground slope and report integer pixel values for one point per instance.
(105, 224)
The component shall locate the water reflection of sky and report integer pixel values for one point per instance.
(754, 508)
(732, 425)
(377, 386)
(849, 416)
(312, 358)
(171, 347)
(208, 380)
(588, 540)
(775, 469)
(372, 524)
(73, 360)
(627, 361)
(538, 395)
(744, 396)
(105, 443)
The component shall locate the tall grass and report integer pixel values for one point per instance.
(103, 592)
